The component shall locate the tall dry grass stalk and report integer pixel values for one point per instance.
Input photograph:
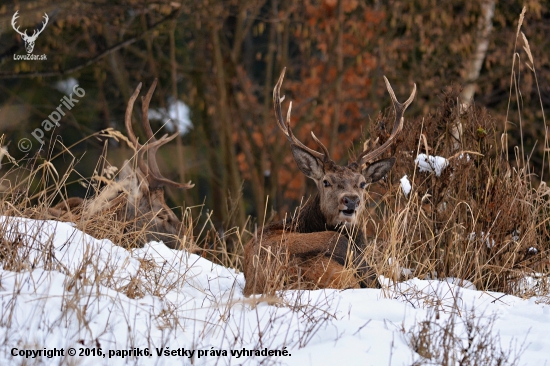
(483, 219)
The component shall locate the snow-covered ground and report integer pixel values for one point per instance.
(82, 294)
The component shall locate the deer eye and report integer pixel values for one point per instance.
(362, 185)
(326, 183)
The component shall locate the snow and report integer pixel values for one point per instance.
(431, 164)
(461, 282)
(66, 86)
(406, 185)
(76, 291)
(490, 242)
(462, 156)
(176, 115)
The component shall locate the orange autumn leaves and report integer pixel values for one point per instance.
(330, 62)
(328, 80)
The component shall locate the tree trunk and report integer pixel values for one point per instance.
(473, 66)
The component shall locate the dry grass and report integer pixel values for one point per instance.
(485, 220)
(23, 250)
(459, 340)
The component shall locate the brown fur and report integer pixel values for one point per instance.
(137, 195)
(322, 247)
(307, 252)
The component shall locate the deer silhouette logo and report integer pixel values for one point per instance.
(29, 40)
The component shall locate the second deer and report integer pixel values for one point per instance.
(316, 247)
(137, 196)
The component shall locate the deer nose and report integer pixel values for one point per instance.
(351, 202)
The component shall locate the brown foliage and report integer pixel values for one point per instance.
(480, 220)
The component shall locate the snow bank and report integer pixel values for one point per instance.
(173, 302)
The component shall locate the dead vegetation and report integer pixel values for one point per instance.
(483, 219)
(482, 216)
(451, 339)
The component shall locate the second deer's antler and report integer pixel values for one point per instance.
(149, 168)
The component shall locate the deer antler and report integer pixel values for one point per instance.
(44, 23)
(150, 169)
(13, 19)
(24, 34)
(368, 156)
(285, 126)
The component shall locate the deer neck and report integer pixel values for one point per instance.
(310, 218)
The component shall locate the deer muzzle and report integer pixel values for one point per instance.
(350, 205)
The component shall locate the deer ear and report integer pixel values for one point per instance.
(307, 163)
(378, 169)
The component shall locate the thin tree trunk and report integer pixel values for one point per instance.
(484, 28)
(231, 181)
(340, 76)
(473, 66)
(117, 67)
(174, 74)
(149, 46)
(270, 62)
(208, 130)
(274, 162)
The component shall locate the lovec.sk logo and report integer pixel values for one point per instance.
(29, 40)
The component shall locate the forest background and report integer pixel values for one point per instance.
(218, 60)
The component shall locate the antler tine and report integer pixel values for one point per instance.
(285, 127)
(131, 135)
(154, 175)
(277, 100)
(145, 111)
(368, 156)
(128, 119)
(321, 145)
(13, 20)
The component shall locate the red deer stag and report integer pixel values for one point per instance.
(315, 248)
(137, 196)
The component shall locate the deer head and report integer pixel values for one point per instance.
(341, 188)
(29, 40)
(138, 192)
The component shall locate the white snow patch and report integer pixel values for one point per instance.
(406, 185)
(461, 282)
(462, 156)
(431, 164)
(177, 115)
(490, 242)
(536, 284)
(66, 86)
